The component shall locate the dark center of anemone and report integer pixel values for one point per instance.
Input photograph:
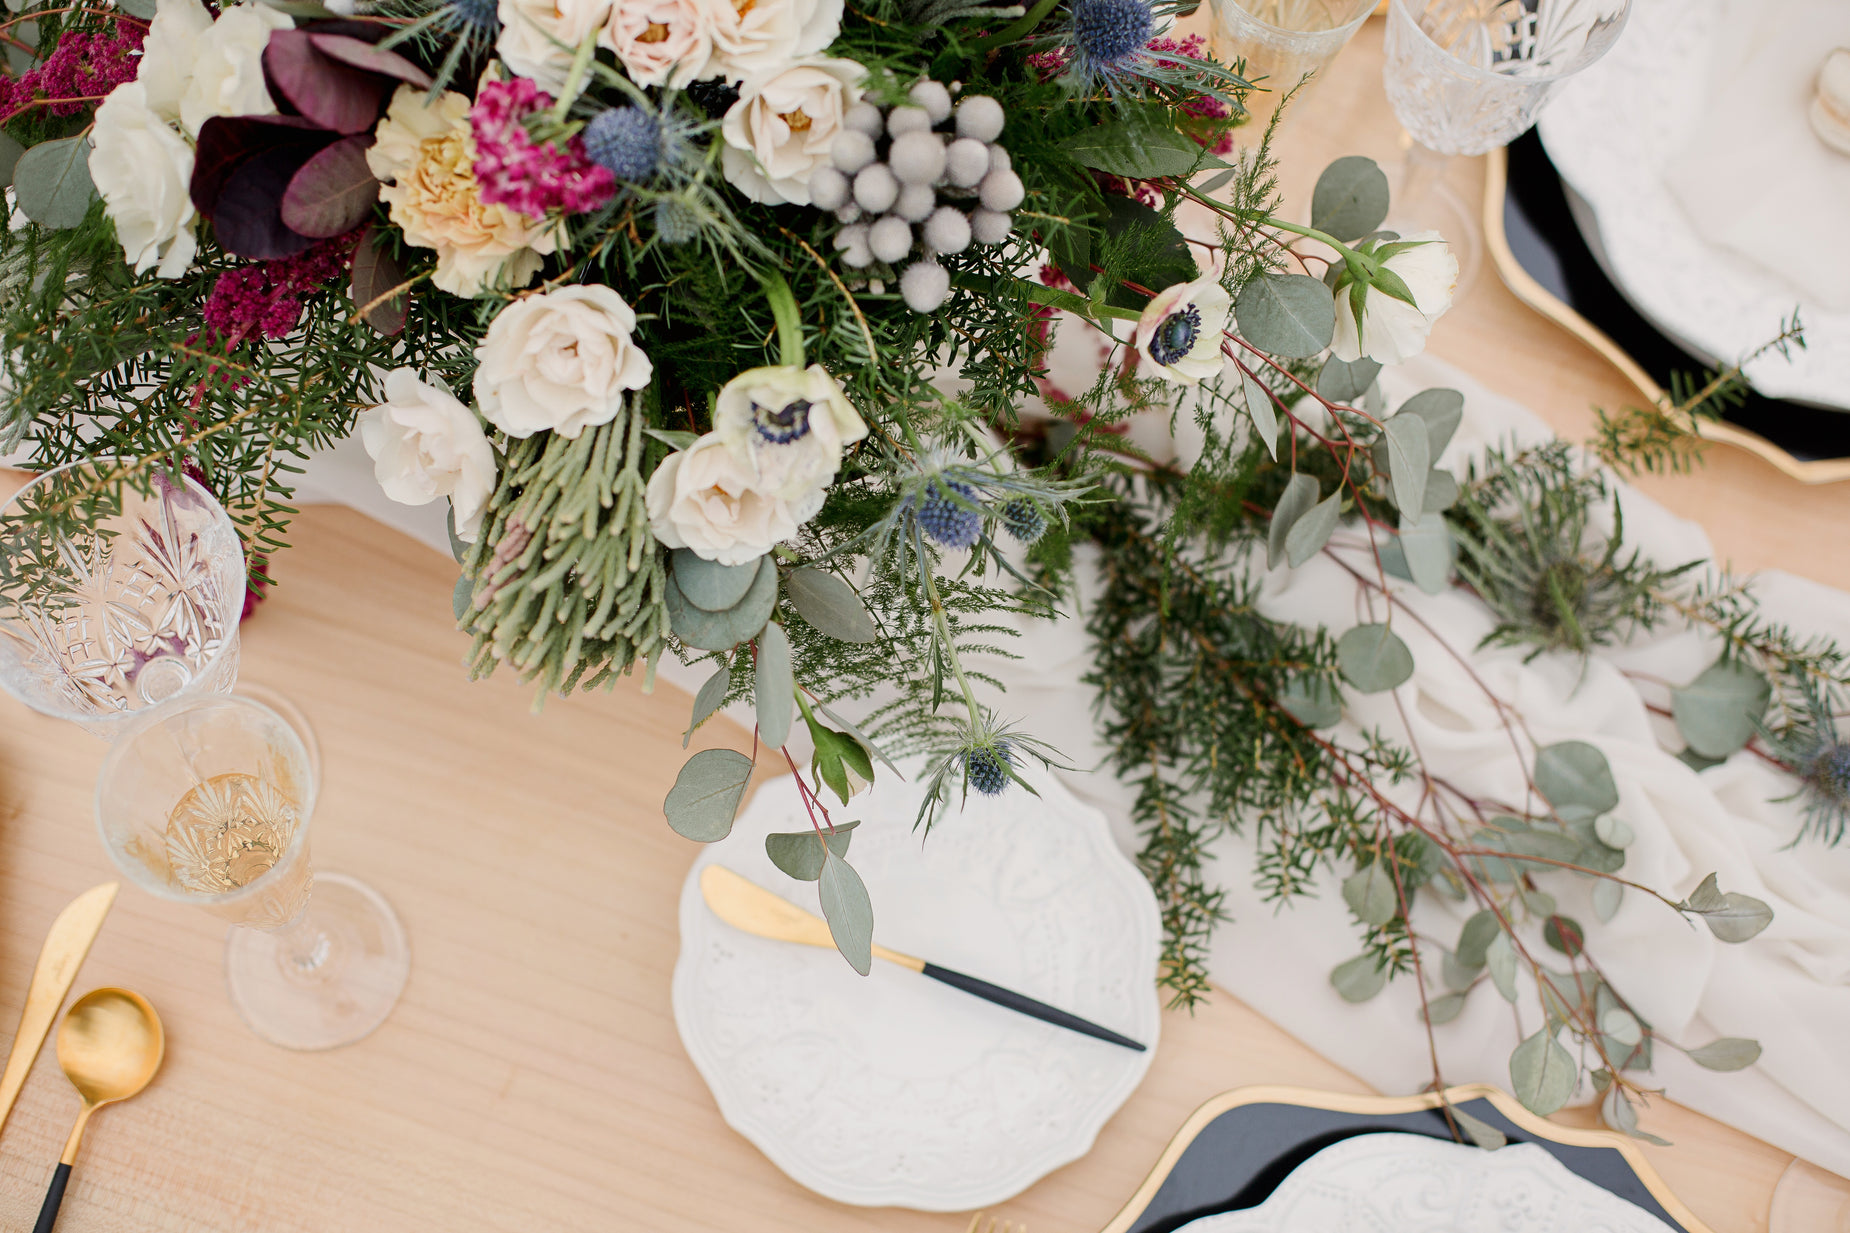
(782, 425)
(1175, 335)
(1109, 32)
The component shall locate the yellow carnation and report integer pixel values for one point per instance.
(425, 154)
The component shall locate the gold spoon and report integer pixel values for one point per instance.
(109, 1045)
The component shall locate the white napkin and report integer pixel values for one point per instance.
(1753, 175)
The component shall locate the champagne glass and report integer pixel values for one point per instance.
(113, 598)
(207, 802)
(1466, 76)
(1281, 41)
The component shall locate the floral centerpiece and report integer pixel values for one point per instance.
(714, 321)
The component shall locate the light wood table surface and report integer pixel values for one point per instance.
(531, 1079)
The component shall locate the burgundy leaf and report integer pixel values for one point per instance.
(333, 192)
(375, 272)
(228, 142)
(363, 55)
(334, 95)
(249, 221)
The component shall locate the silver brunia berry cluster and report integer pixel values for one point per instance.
(909, 193)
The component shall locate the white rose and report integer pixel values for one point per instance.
(144, 170)
(755, 38)
(662, 42)
(780, 129)
(425, 444)
(793, 424)
(227, 68)
(560, 362)
(169, 52)
(1180, 332)
(705, 498)
(1391, 331)
(539, 37)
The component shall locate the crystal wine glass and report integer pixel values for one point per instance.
(1466, 76)
(138, 607)
(207, 802)
(1281, 41)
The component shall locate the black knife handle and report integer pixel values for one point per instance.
(1028, 1006)
(48, 1214)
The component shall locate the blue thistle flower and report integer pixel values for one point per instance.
(986, 767)
(476, 16)
(948, 513)
(1023, 519)
(627, 141)
(675, 223)
(1108, 33)
(1820, 758)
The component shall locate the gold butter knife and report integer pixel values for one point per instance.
(63, 953)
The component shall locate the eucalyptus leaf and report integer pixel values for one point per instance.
(1620, 1024)
(1613, 831)
(800, 853)
(1737, 917)
(1607, 896)
(1542, 1073)
(1310, 533)
(1444, 1008)
(1345, 381)
(1441, 491)
(1373, 658)
(1539, 902)
(706, 794)
(1441, 409)
(1516, 839)
(774, 687)
(1616, 1111)
(849, 911)
(1719, 711)
(1728, 1053)
(1427, 548)
(51, 183)
(1358, 979)
(1369, 892)
(1259, 407)
(1564, 934)
(721, 631)
(1500, 959)
(1409, 459)
(1299, 495)
(10, 151)
(1475, 939)
(1288, 315)
(1481, 1132)
(1706, 896)
(460, 597)
(1351, 198)
(1457, 976)
(1313, 701)
(865, 741)
(830, 604)
(458, 549)
(710, 586)
(1594, 853)
(1696, 762)
(711, 697)
(137, 8)
(1576, 773)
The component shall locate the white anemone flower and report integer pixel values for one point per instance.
(1179, 333)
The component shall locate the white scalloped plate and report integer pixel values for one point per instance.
(1400, 1183)
(893, 1089)
(1610, 132)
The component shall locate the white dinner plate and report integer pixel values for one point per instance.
(1611, 132)
(893, 1089)
(1399, 1183)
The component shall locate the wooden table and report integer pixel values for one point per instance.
(531, 1079)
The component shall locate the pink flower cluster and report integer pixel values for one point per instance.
(83, 68)
(1195, 47)
(265, 300)
(534, 178)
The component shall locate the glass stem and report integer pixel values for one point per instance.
(1421, 174)
(303, 946)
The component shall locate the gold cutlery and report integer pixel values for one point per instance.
(63, 953)
(744, 904)
(110, 1046)
(994, 1226)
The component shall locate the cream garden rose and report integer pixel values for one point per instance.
(143, 169)
(425, 153)
(707, 499)
(559, 362)
(539, 37)
(793, 424)
(758, 38)
(226, 76)
(169, 52)
(425, 444)
(781, 127)
(662, 42)
(1392, 331)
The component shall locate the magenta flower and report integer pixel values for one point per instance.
(80, 70)
(535, 178)
(265, 300)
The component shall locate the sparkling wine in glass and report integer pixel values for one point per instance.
(116, 594)
(1280, 41)
(208, 802)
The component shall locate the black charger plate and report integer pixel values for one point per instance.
(1538, 249)
(1235, 1150)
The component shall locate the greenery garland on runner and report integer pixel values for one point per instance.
(713, 325)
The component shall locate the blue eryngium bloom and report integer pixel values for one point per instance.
(1107, 34)
(475, 15)
(626, 141)
(1816, 752)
